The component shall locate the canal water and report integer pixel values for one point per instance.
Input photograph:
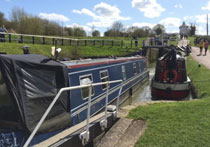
(143, 93)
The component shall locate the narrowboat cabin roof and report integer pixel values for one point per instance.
(89, 62)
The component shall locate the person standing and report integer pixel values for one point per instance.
(2, 36)
(206, 45)
(201, 44)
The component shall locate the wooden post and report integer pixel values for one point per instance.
(53, 41)
(56, 43)
(21, 39)
(77, 42)
(103, 43)
(10, 38)
(62, 42)
(121, 43)
(112, 42)
(94, 42)
(85, 42)
(43, 40)
(131, 43)
(32, 39)
(70, 42)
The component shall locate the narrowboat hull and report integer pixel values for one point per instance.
(30, 99)
(170, 91)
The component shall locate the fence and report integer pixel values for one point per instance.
(37, 39)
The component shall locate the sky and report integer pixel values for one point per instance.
(100, 14)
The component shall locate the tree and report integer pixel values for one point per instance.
(3, 20)
(117, 26)
(69, 30)
(96, 33)
(159, 29)
(192, 29)
(79, 32)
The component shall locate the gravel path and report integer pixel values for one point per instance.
(205, 60)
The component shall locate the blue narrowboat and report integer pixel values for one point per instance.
(29, 83)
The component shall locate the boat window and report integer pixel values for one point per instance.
(7, 109)
(134, 69)
(139, 67)
(85, 80)
(123, 72)
(104, 78)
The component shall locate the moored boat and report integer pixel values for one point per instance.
(170, 80)
(29, 83)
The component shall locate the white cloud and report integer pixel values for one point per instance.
(178, 6)
(103, 15)
(171, 22)
(143, 24)
(200, 30)
(54, 17)
(197, 18)
(84, 11)
(150, 8)
(206, 7)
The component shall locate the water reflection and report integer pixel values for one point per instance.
(143, 93)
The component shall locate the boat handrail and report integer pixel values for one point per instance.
(85, 134)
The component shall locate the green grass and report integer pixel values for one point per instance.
(178, 124)
(74, 51)
(67, 51)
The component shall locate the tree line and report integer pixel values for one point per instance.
(24, 23)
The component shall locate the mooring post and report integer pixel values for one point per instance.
(85, 42)
(32, 39)
(121, 43)
(62, 41)
(103, 43)
(10, 38)
(70, 42)
(53, 41)
(131, 43)
(43, 40)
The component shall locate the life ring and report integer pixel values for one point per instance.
(175, 75)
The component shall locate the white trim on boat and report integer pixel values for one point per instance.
(104, 67)
(173, 86)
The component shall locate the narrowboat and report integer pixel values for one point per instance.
(29, 83)
(170, 80)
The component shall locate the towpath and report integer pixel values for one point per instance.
(205, 60)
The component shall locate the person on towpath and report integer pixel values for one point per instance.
(201, 44)
(206, 45)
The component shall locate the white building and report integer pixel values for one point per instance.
(184, 30)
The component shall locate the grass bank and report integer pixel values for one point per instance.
(68, 51)
(185, 123)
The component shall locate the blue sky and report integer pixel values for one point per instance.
(100, 14)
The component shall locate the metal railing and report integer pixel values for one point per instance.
(84, 136)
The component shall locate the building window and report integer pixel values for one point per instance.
(134, 69)
(104, 78)
(123, 72)
(85, 80)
